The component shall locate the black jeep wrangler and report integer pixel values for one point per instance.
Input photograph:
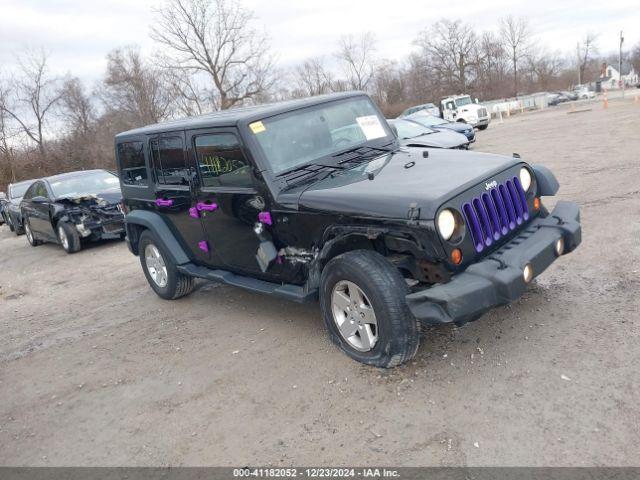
(316, 198)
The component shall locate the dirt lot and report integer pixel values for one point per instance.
(97, 370)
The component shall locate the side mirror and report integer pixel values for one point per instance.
(39, 199)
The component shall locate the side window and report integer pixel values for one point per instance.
(40, 190)
(221, 161)
(169, 161)
(450, 106)
(133, 170)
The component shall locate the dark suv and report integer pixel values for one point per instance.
(316, 198)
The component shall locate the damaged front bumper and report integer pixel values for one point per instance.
(498, 279)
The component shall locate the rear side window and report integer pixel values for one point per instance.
(133, 170)
(169, 161)
(221, 161)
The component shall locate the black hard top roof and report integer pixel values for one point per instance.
(232, 117)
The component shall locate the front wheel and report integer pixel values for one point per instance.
(483, 127)
(68, 237)
(161, 273)
(362, 297)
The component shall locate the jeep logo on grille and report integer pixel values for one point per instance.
(490, 185)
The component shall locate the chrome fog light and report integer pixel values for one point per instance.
(559, 246)
(527, 273)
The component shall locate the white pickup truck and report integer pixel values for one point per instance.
(460, 108)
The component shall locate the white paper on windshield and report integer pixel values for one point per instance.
(371, 127)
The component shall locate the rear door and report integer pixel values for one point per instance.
(174, 175)
(227, 199)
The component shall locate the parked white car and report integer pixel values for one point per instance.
(583, 92)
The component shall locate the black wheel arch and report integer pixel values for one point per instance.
(139, 220)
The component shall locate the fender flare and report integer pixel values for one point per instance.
(167, 240)
(547, 183)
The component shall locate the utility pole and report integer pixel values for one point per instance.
(620, 63)
(579, 63)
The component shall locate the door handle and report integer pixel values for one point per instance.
(161, 202)
(209, 207)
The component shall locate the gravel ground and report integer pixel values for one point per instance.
(97, 370)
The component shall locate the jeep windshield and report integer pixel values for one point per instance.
(317, 135)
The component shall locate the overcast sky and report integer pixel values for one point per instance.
(79, 33)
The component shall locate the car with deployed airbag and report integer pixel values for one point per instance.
(73, 208)
(316, 199)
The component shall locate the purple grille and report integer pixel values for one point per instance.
(495, 213)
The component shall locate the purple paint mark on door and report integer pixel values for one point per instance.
(209, 207)
(204, 246)
(161, 202)
(193, 212)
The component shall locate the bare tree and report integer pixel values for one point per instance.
(586, 49)
(448, 49)
(491, 66)
(515, 33)
(544, 68)
(312, 77)
(389, 84)
(132, 87)
(36, 93)
(215, 38)
(6, 152)
(634, 57)
(76, 106)
(357, 55)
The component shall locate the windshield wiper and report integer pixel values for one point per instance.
(307, 171)
(361, 154)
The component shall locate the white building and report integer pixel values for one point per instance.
(611, 77)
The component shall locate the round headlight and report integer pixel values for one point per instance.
(446, 223)
(525, 178)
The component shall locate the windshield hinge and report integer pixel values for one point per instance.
(414, 212)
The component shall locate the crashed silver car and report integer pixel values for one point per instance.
(413, 134)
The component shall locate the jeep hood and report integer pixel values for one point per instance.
(401, 179)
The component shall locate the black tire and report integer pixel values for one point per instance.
(9, 222)
(18, 228)
(31, 237)
(73, 243)
(483, 127)
(177, 285)
(385, 289)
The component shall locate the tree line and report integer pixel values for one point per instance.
(212, 56)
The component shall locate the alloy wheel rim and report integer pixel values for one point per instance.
(155, 265)
(27, 229)
(64, 240)
(354, 316)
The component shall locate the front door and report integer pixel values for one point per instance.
(227, 200)
(38, 213)
(173, 176)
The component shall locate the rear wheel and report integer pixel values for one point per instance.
(362, 297)
(31, 238)
(18, 229)
(68, 237)
(161, 273)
